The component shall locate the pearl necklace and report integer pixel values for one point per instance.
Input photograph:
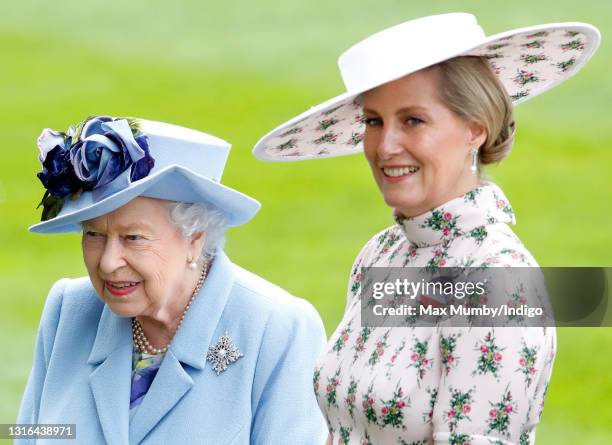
(140, 339)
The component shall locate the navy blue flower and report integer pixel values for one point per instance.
(57, 174)
(105, 149)
(142, 168)
(88, 157)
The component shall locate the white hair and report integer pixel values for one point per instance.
(191, 218)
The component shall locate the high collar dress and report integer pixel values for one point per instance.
(437, 385)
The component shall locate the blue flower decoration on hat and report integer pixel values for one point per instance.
(89, 156)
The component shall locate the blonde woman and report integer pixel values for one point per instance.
(430, 102)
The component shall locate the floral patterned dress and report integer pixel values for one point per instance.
(437, 385)
(144, 370)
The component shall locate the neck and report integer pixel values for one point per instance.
(464, 186)
(161, 326)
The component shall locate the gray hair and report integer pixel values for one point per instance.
(191, 218)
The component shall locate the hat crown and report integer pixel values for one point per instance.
(406, 48)
(199, 152)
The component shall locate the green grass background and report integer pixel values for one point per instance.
(238, 68)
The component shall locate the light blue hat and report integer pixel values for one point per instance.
(105, 162)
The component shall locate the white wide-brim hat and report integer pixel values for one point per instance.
(527, 61)
(188, 168)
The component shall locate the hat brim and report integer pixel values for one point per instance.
(173, 183)
(335, 127)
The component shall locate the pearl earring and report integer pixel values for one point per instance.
(193, 265)
(474, 167)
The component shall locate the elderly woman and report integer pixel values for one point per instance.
(430, 102)
(166, 341)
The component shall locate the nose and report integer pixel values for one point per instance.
(390, 143)
(112, 257)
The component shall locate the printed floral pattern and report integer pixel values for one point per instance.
(316, 379)
(326, 123)
(574, 44)
(331, 388)
(534, 44)
(433, 397)
(524, 77)
(383, 386)
(460, 407)
(565, 65)
(500, 413)
(350, 399)
(448, 344)
(287, 144)
(342, 339)
(329, 137)
(527, 362)
(535, 59)
(419, 359)
(144, 370)
(360, 342)
(393, 359)
(392, 412)
(378, 352)
(369, 409)
(490, 359)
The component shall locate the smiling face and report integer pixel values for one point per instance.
(418, 149)
(137, 260)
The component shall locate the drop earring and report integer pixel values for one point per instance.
(474, 167)
(193, 265)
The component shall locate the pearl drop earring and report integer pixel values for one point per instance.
(193, 265)
(474, 167)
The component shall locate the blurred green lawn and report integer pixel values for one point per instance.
(236, 69)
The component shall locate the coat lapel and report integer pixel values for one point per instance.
(170, 384)
(110, 379)
(188, 349)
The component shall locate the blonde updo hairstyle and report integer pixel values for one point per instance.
(470, 88)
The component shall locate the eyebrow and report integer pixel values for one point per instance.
(137, 226)
(408, 109)
(127, 228)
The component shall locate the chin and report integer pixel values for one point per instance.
(403, 203)
(123, 310)
(124, 307)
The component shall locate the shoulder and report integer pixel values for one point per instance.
(502, 247)
(263, 299)
(77, 292)
(71, 306)
(380, 242)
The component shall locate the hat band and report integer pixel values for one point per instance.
(163, 155)
(121, 182)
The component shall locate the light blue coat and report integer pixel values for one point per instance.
(82, 368)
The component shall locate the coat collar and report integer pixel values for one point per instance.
(479, 207)
(191, 342)
(112, 369)
(111, 357)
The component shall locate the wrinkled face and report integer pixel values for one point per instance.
(419, 150)
(137, 259)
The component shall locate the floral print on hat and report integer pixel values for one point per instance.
(526, 63)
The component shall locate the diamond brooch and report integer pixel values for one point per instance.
(222, 354)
